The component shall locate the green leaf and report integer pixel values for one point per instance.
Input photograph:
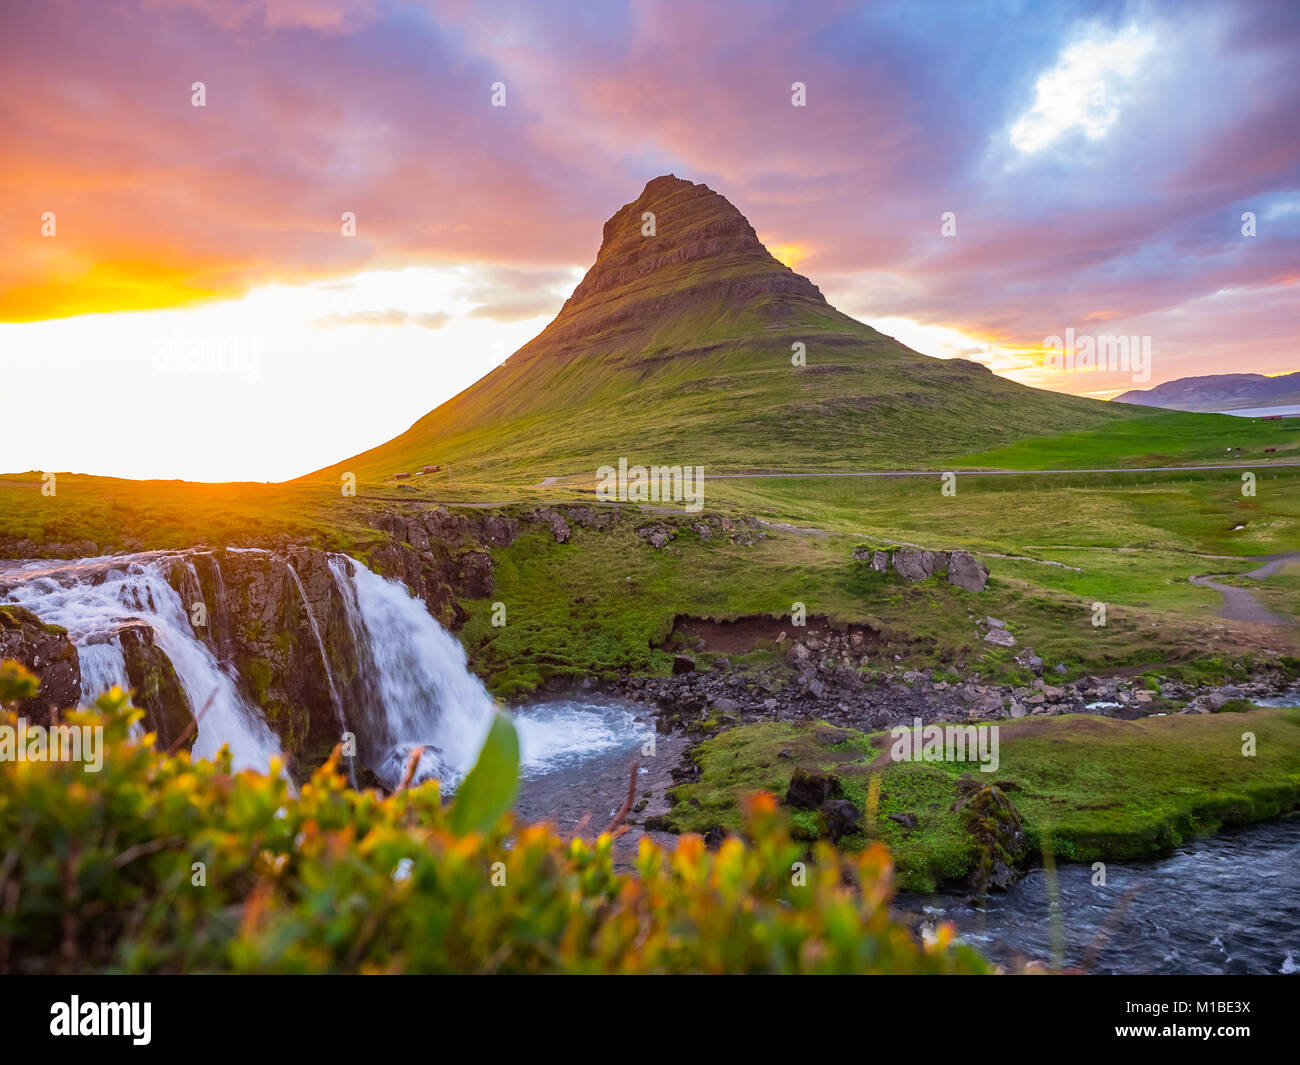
(489, 789)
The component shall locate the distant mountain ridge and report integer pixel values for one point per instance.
(1225, 391)
(688, 342)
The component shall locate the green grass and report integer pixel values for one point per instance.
(1091, 788)
(602, 602)
(605, 603)
(115, 513)
(1187, 512)
(573, 611)
(1155, 439)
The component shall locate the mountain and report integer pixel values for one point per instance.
(1225, 391)
(677, 348)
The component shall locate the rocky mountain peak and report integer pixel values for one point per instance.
(677, 249)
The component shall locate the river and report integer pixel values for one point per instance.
(1227, 905)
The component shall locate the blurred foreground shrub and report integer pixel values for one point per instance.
(157, 864)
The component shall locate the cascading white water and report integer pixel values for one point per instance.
(562, 733)
(419, 671)
(417, 689)
(431, 699)
(92, 604)
(102, 668)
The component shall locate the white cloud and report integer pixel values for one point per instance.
(1085, 89)
(1282, 208)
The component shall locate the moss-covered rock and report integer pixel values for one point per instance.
(46, 652)
(158, 690)
(998, 831)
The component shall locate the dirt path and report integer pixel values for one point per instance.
(1240, 604)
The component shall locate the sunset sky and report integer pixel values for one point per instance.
(1098, 158)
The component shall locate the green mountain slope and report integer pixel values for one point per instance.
(677, 348)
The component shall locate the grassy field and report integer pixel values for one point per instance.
(1158, 439)
(1088, 788)
(1196, 512)
(605, 601)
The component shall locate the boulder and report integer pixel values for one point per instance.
(46, 652)
(968, 572)
(810, 788)
(839, 818)
(683, 664)
(999, 638)
(559, 527)
(998, 832)
(913, 564)
(862, 553)
(830, 735)
(586, 517)
(656, 536)
(1028, 660)
(880, 561)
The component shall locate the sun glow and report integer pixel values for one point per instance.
(790, 255)
(267, 387)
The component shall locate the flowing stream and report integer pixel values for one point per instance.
(1226, 904)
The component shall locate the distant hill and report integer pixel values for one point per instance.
(677, 347)
(1225, 391)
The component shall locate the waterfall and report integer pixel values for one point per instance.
(92, 598)
(412, 686)
(419, 673)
